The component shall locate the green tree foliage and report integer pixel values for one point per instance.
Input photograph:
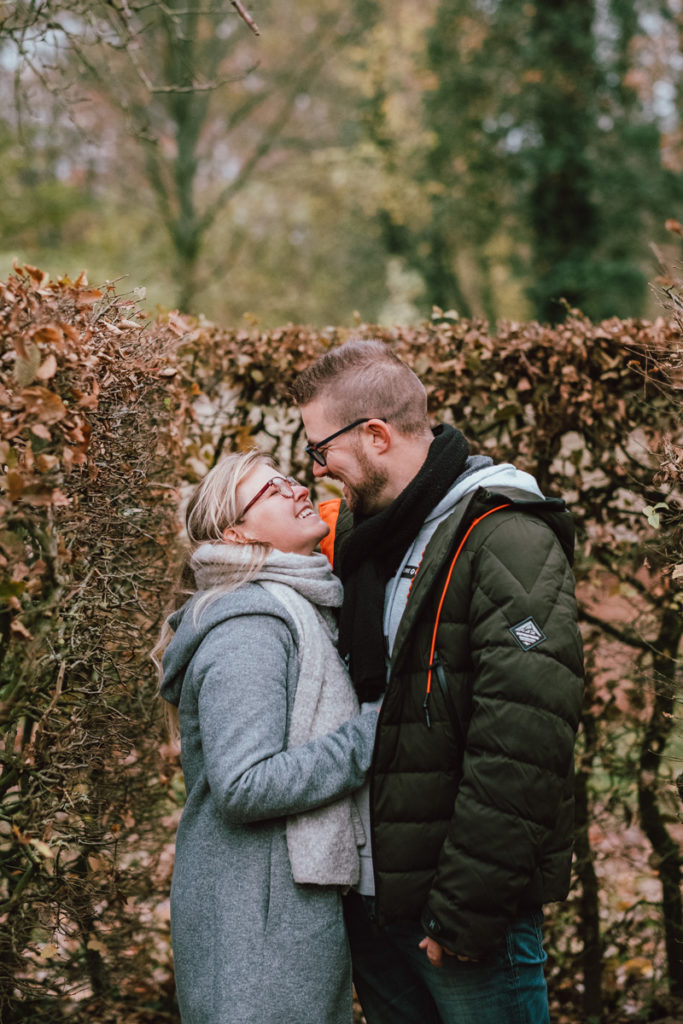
(473, 53)
(496, 157)
(186, 103)
(539, 129)
(35, 204)
(564, 215)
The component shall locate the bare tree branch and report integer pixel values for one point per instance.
(624, 636)
(246, 17)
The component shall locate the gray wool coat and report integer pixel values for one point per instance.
(250, 945)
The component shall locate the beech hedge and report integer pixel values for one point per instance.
(107, 417)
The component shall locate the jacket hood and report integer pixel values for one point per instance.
(505, 480)
(482, 472)
(190, 628)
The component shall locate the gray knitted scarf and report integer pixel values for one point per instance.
(323, 843)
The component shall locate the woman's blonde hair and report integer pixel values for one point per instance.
(213, 506)
(211, 510)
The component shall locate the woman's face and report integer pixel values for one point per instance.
(289, 524)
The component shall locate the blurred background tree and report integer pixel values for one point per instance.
(495, 157)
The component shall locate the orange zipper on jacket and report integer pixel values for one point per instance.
(432, 664)
(329, 513)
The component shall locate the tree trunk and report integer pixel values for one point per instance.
(563, 216)
(442, 287)
(589, 905)
(652, 753)
(187, 109)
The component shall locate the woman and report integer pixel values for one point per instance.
(272, 745)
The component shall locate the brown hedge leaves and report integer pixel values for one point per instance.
(103, 418)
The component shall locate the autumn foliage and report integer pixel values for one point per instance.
(91, 445)
(106, 417)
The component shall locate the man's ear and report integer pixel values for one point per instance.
(380, 435)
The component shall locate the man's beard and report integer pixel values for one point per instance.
(362, 497)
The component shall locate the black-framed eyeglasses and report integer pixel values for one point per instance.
(314, 450)
(284, 484)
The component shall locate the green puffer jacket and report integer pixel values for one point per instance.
(472, 782)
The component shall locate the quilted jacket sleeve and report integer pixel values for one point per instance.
(526, 679)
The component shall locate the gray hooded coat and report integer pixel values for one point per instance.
(250, 945)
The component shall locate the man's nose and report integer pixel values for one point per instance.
(319, 470)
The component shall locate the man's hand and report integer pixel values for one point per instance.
(435, 953)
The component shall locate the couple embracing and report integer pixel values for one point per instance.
(377, 704)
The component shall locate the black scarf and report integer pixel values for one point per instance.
(374, 551)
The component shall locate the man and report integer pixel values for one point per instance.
(459, 616)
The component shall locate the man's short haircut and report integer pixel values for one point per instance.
(365, 378)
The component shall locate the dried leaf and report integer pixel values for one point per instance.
(88, 297)
(50, 334)
(19, 346)
(48, 369)
(97, 945)
(19, 629)
(46, 405)
(39, 277)
(88, 402)
(26, 367)
(15, 485)
(59, 499)
(43, 849)
(45, 462)
(49, 951)
(177, 323)
(41, 431)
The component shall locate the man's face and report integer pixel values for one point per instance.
(348, 458)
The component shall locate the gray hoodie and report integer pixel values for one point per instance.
(480, 472)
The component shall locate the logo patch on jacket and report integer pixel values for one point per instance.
(528, 634)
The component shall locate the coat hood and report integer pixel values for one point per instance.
(517, 486)
(479, 472)
(190, 627)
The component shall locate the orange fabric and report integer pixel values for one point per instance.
(445, 588)
(329, 513)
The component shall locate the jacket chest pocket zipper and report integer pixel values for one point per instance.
(453, 716)
(437, 666)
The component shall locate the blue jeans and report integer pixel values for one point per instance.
(396, 984)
